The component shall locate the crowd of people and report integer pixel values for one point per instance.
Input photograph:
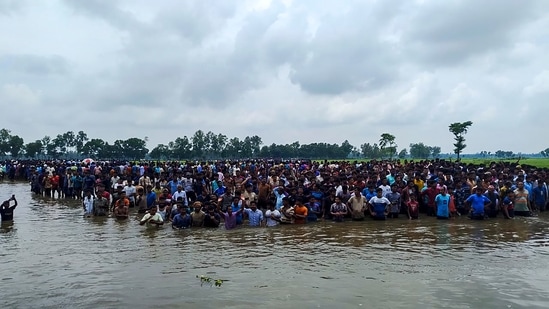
(273, 192)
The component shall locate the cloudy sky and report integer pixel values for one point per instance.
(309, 70)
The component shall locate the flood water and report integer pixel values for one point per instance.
(52, 257)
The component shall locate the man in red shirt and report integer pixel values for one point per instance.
(430, 193)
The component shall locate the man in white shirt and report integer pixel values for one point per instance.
(87, 203)
(272, 215)
(152, 218)
(131, 192)
(180, 193)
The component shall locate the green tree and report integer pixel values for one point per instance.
(46, 140)
(209, 139)
(132, 148)
(345, 149)
(93, 148)
(198, 143)
(435, 151)
(33, 149)
(5, 136)
(182, 148)
(70, 140)
(459, 129)
(79, 141)
(402, 154)
(233, 148)
(16, 145)
(545, 153)
(419, 151)
(160, 152)
(256, 143)
(388, 145)
(370, 151)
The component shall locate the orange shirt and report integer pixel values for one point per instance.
(300, 210)
(126, 202)
(452, 205)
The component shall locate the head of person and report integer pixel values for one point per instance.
(197, 206)
(520, 185)
(253, 205)
(152, 211)
(236, 200)
(357, 191)
(271, 205)
(379, 192)
(182, 210)
(479, 190)
(394, 187)
(444, 190)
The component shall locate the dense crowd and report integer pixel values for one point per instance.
(272, 192)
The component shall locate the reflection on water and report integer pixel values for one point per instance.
(53, 257)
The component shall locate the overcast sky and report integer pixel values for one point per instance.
(310, 70)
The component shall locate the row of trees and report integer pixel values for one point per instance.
(210, 145)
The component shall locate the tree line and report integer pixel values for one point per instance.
(210, 145)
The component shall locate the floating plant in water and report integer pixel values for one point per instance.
(210, 281)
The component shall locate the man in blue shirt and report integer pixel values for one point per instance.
(151, 197)
(539, 196)
(442, 201)
(478, 202)
(369, 191)
(182, 220)
(255, 216)
(379, 205)
(221, 189)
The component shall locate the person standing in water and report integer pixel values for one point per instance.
(6, 211)
(152, 218)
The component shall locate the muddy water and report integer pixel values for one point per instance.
(52, 257)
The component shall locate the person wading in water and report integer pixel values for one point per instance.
(6, 211)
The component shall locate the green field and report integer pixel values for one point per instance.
(537, 162)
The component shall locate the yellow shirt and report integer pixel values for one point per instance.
(419, 183)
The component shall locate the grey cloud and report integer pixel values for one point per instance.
(218, 76)
(33, 64)
(8, 7)
(449, 32)
(347, 54)
(195, 20)
(108, 11)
